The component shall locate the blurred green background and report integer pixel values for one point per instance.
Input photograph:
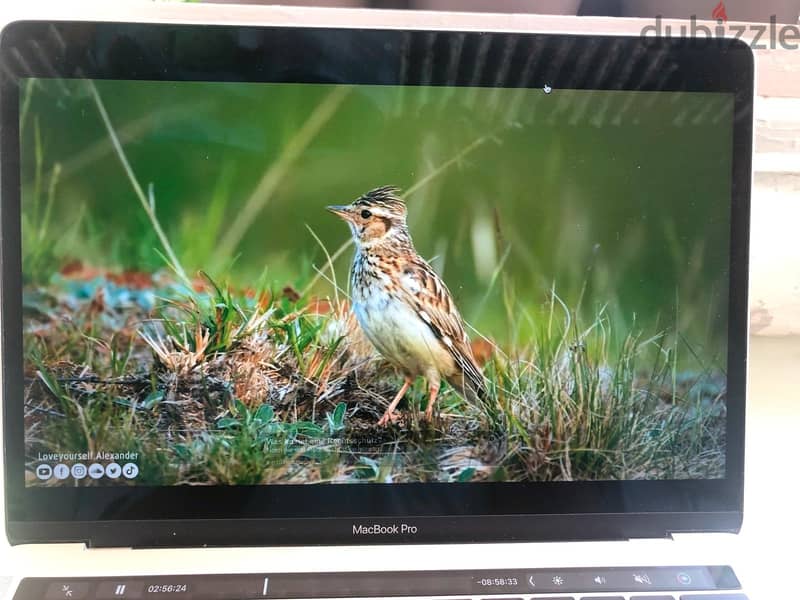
(617, 199)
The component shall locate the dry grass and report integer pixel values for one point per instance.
(214, 386)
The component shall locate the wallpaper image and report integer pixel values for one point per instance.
(241, 283)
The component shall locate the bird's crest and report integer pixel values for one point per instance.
(387, 196)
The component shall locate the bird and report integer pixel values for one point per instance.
(403, 306)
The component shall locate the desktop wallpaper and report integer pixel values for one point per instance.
(189, 315)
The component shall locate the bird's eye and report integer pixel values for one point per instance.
(365, 214)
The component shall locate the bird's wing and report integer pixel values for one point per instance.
(424, 290)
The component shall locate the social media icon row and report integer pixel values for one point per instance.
(95, 471)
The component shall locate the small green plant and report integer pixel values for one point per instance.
(335, 419)
(253, 447)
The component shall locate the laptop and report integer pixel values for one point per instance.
(429, 298)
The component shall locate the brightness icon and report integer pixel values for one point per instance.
(558, 580)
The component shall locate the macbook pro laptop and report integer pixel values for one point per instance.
(302, 286)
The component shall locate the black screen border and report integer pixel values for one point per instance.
(307, 514)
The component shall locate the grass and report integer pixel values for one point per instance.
(214, 383)
(227, 386)
(40, 258)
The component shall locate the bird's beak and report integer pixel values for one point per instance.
(340, 210)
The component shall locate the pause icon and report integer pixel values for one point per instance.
(119, 590)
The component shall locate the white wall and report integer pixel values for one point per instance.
(775, 224)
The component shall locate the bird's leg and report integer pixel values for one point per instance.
(389, 416)
(433, 391)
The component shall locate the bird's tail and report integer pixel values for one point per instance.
(472, 386)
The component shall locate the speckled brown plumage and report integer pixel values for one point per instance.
(403, 306)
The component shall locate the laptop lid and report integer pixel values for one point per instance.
(226, 251)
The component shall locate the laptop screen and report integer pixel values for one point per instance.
(299, 281)
(187, 322)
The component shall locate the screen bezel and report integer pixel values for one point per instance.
(184, 515)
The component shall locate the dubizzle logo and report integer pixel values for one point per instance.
(760, 36)
(719, 13)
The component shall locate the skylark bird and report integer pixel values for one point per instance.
(402, 305)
